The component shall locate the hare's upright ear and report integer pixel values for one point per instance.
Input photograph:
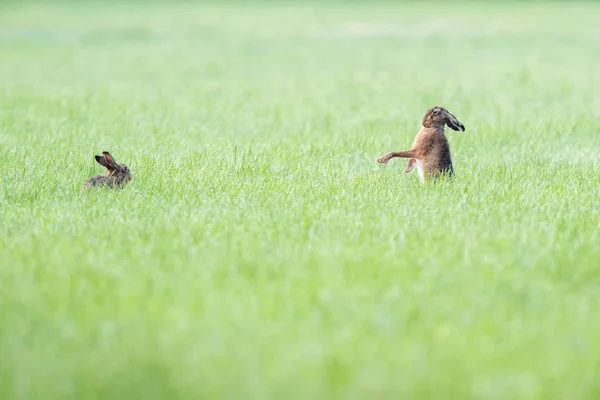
(102, 161)
(109, 159)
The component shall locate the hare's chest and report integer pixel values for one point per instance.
(420, 170)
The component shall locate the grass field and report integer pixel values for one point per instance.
(259, 251)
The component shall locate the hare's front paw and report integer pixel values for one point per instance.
(384, 159)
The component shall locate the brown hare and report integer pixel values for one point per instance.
(430, 150)
(118, 174)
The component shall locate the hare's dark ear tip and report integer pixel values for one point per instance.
(98, 158)
(106, 153)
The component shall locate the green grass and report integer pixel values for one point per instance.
(259, 251)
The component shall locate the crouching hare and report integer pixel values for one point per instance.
(118, 174)
(430, 150)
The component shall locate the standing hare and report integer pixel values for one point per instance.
(118, 174)
(430, 150)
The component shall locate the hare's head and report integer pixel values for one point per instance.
(437, 117)
(119, 172)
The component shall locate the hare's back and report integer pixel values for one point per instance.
(439, 158)
(96, 181)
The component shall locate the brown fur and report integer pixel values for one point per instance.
(430, 147)
(117, 174)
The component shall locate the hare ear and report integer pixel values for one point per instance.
(109, 159)
(102, 161)
(454, 123)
